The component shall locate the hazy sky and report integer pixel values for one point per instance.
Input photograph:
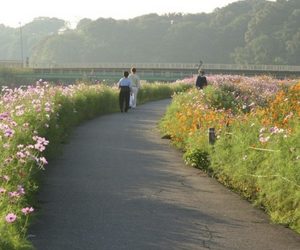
(13, 12)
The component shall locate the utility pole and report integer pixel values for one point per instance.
(21, 44)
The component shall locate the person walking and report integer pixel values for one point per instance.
(135, 86)
(124, 95)
(201, 81)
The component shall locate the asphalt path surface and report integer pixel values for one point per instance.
(118, 185)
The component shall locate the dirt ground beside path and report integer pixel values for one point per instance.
(118, 185)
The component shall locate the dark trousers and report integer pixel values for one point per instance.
(124, 98)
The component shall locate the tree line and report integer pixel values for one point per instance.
(244, 32)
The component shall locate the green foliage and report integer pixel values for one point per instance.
(158, 91)
(221, 98)
(233, 163)
(168, 125)
(271, 33)
(268, 176)
(197, 158)
(280, 189)
(32, 33)
(261, 32)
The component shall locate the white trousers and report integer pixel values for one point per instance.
(134, 91)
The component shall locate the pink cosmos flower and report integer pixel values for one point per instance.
(6, 177)
(39, 147)
(264, 139)
(38, 109)
(10, 218)
(9, 132)
(43, 160)
(21, 155)
(27, 210)
(47, 109)
(20, 112)
(21, 190)
(4, 116)
(8, 161)
(2, 191)
(40, 140)
(14, 124)
(275, 130)
(14, 194)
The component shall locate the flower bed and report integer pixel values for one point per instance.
(257, 151)
(34, 121)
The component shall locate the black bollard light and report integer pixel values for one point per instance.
(211, 136)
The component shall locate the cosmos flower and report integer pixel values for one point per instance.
(10, 218)
(27, 210)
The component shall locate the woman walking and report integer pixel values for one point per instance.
(135, 85)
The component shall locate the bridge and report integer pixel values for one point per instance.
(158, 71)
(10, 63)
(151, 71)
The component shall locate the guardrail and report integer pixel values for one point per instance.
(11, 63)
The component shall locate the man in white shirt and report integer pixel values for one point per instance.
(135, 85)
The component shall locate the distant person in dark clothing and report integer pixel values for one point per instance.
(201, 81)
(124, 86)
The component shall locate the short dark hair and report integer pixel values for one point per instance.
(133, 70)
(126, 74)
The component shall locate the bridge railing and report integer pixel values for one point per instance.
(252, 67)
(191, 66)
(11, 63)
(118, 65)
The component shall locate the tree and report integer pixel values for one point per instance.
(249, 31)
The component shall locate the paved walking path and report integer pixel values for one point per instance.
(117, 186)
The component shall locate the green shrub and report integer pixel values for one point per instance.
(221, 98)
(197, 158)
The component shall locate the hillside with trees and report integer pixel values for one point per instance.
(31, 34)
(246, 32)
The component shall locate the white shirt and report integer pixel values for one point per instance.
(135, 80)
